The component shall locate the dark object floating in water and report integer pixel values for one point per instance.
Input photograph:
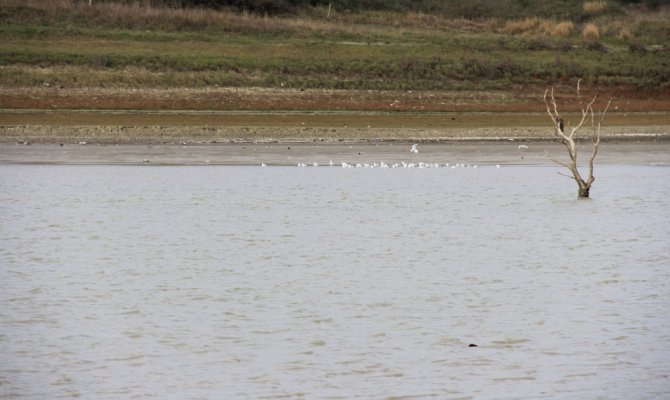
(473, 345)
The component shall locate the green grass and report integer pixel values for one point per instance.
(165, 48)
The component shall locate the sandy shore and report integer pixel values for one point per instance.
(644, 152)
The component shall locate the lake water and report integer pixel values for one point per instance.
(204, 282)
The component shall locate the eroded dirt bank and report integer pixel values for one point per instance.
(516, 99)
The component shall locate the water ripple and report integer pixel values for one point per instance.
(241, 282)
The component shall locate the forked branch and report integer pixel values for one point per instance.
(595, 139)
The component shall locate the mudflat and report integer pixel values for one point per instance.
(287, 127)
(508, 152)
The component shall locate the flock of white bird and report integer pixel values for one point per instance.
(382, 164)
(401, 164)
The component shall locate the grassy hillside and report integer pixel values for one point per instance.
(66, 43)
(571, 9)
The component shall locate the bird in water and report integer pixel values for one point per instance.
(414, 149)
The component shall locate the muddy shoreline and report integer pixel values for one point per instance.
(58, 134)
(646, 152)
(293, 137)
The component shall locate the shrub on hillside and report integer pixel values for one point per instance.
(593, 7)
(563, 29)
(590, 32)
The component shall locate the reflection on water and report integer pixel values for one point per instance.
(249, 282)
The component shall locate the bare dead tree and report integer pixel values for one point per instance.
(568, 139)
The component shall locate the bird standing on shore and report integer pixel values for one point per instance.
(414, 149)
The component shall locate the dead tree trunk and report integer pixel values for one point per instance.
(568, 139)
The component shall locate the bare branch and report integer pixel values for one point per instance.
(596, 141)
(560, 132)
(572, 150)
(578, 82)
(546, 103)
(609, 101)
(561, 163)
(565, 175)
(554, 101)
(585, 112)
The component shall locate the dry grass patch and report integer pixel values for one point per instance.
(590, 32)
(595, 6)
(563, 29)
(521, 26)
(538, 26)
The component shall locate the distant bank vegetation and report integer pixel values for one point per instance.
(549, 17)
(571, 9)
(367, 44)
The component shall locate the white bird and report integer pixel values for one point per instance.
(414, 149)
(263, 164)
(523, 147)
